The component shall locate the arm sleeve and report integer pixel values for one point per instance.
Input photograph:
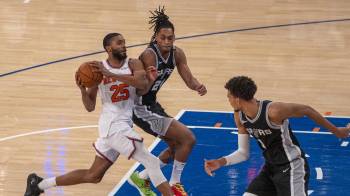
(242, 153)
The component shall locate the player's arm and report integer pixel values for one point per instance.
(148, 60)
(185, 73)
(88, 95)
(137, 79)
(240, 155)
(278, 112)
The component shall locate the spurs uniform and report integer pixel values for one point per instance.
(148, 113)
(285, 162)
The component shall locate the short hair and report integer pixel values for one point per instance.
(159, 20)
(242, 87)
(107, 39)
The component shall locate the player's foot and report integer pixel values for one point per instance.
(178, 190)
(32, 185)
(142, 185)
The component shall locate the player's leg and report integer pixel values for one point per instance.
(184, 141)
(151, 164)
(92, 175)
(37, 185)
(127, 142)
(262, 184)
(292, 179)
(103, 160)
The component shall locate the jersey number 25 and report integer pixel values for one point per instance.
(121, 92)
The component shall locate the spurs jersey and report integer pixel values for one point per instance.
(118, 100)
(278, 142)
(164, 68)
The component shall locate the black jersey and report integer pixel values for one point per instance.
(164, 68)
(278, 143)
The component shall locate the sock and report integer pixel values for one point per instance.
(177, 171)
(144, 175)
(47, 183)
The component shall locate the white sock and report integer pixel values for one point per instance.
(177, 171)
(144, 174)
(47, 183)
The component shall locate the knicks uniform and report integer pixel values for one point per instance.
(116, 135)
(286, 171)
(148, 113)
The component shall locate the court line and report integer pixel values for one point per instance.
(235, 128)
(95, 126)
(133, 168)
(230, 112)
(26, 1)
(45, 131)
(319, 173)
(184, 37)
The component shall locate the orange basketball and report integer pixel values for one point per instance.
(88, 75)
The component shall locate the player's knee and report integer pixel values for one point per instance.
(190, 140)
(151, 162)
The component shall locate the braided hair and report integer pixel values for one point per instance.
(159, 20)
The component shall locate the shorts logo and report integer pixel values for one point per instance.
(157, 125)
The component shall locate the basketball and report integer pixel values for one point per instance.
(88, 75)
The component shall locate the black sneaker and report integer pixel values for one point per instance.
(32, 185)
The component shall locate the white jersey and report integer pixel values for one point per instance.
(118, 101)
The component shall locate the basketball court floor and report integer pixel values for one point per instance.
(296, 51)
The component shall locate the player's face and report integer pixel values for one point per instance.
(165, 39)
(117, 47)
(234, 101)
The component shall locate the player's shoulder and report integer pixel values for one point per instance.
(148, 52)
(179, 53)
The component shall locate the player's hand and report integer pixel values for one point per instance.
(211, 165)
(343, 132)
(100, 68)
(152, 73)
(201, 90)
(78, 82)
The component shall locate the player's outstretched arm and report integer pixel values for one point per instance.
(186, 75)
(240, 155)
(279, 111)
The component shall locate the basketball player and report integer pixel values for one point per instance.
(286, 170)
(149, 114)
(116, 135)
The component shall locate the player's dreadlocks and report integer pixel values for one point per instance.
(158, 21)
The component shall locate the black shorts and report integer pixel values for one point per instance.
(152, 119)
(282, 180)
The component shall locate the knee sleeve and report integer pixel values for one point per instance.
(151, 163)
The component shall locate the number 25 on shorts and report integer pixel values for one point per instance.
(121, 92)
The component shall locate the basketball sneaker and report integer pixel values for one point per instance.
(32, 185)
(142, 185)
(178, 190)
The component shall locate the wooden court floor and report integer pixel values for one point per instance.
(305, 63)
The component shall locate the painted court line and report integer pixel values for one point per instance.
(45, 131)
(344, 143)
(319, 173)
(182, 111)
(234, 128)
(231, 112)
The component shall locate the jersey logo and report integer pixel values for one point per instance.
(259, 132)
(121, 92)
